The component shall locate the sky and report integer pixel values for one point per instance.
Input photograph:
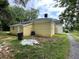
(44, 6)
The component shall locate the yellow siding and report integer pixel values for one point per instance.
(42, 29)
(13, 31)
(53, 28)
(16, 29)
(27, 29)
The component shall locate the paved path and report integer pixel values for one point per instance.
(74, 48)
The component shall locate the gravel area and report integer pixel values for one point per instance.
(74, 47)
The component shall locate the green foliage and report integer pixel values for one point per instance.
(4, 14)
(3, 3)
(76, 35)
(69, 14)
(11, 15)
(19, 14)
(67, 2)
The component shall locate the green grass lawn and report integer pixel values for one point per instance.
(57, 49)
(54, 49)
(76, 35)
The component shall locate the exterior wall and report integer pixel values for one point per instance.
(42, 28)
(27, 29)
(16, 29)
(53, 28)
(13, 31)
(59, 28)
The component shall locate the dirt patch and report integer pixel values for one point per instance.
(6, 52)
(45, 39)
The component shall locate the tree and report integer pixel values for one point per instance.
(67, 2)
(11, 15)
(70, 15)
(5, 15)
(22, 2)
(19, 14)
(32, 14)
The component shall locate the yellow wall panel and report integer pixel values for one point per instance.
(42, 29)
(27, 30)
(53, 28)
(13, 31)
(16, 29)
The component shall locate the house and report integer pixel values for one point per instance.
(42, 27)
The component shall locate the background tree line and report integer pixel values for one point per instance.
(15, 14)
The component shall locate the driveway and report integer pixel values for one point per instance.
(74, 47)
